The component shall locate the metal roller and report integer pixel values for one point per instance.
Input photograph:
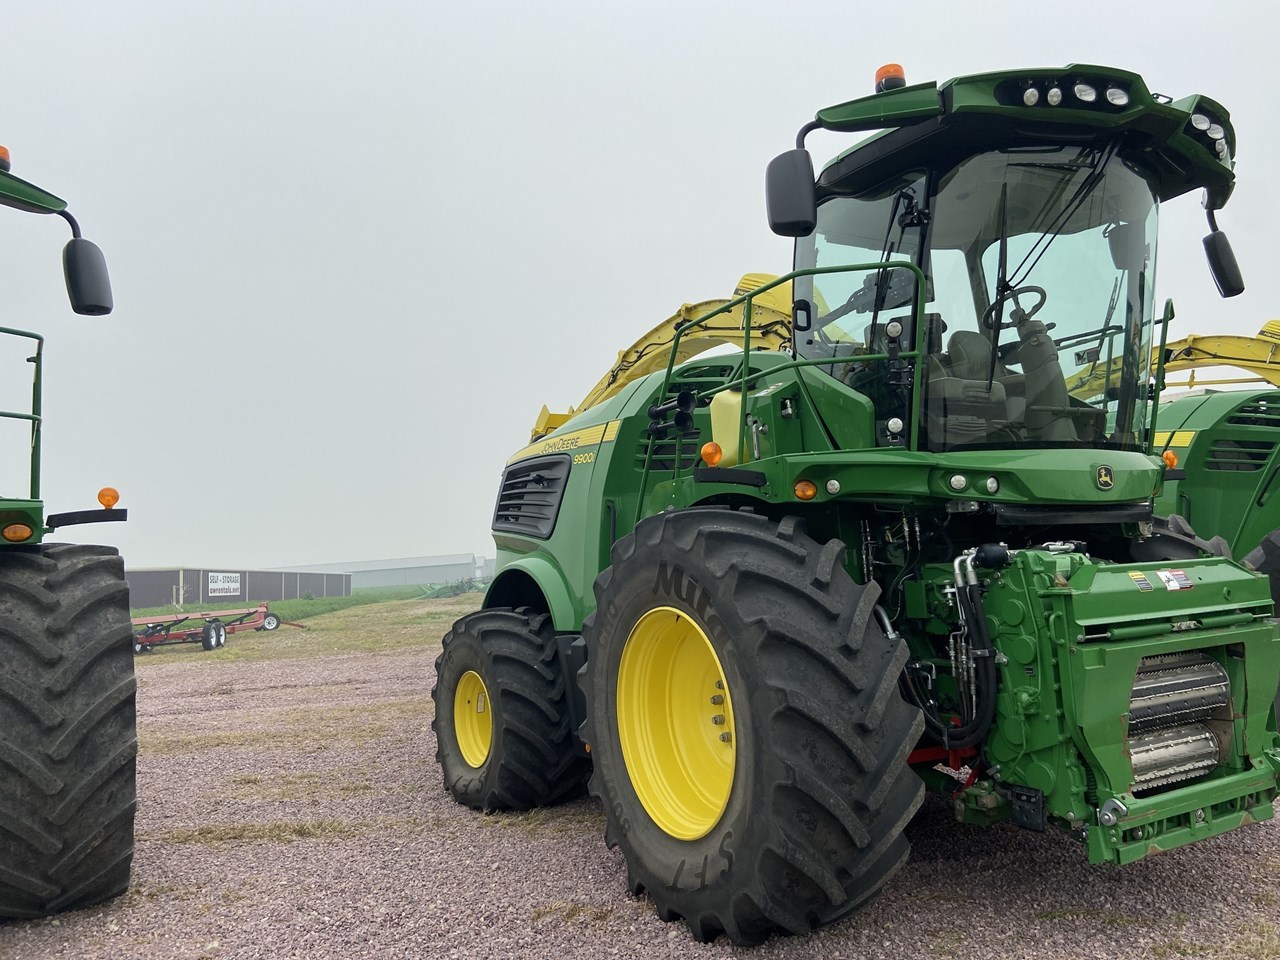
(1171, 755)
(1176, 689)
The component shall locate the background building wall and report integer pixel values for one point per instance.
(158, 588)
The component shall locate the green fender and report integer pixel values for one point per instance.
(550, 580)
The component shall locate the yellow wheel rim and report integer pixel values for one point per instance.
(675, 722)
(473, 719)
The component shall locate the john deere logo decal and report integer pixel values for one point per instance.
(1106, 479)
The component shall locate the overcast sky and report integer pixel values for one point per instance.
(355, 247)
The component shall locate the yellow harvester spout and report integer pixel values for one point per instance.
(770, 330)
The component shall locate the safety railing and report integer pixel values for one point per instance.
(745, 376)
(34, 417)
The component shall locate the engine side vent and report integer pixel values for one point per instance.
(1240, 455)
(1259, 413)
(530, 496)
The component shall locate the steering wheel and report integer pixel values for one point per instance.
(989, 317)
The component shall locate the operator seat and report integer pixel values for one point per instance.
(961, 407)
(1044, 386)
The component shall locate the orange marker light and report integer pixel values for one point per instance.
(16, 532)
(890, 77)
(1170, 459)
(711, 453)
(108, 497)
(806, 489)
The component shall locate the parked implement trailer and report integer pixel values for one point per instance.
(212, 633)
(764, 599)
(67, 724)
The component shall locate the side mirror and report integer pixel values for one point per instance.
(790, 197)
(88, 283)
(801, 315)
(1128, 246)
(1222, 264)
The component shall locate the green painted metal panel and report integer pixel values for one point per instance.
(1228, 445)
(15, 192)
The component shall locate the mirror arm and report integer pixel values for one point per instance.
(75, 227)
(807, 129)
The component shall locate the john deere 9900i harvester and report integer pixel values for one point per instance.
(67, 740)
(767, 597)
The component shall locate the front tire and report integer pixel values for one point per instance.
(793, 819)
(67, 729)
(502, 714)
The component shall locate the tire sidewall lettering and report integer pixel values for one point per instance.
(686, 865)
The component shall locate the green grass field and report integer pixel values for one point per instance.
(293, 609)
(362, 626)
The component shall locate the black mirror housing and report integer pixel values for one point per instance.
(1222, 264)
(88, 283)
(790, 194)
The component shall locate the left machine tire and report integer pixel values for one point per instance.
(502, 730)
(68, 738)
(749, 738)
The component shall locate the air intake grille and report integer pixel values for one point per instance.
(1259, 413)
(530, 496)
(1245, 455)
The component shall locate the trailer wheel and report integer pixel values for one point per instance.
(138, 646)
(67, 776)
(222, 633)
(269, 621)
(209, 636)
(749, 740)
(502, 714)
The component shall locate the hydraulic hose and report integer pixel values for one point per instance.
(973, 616)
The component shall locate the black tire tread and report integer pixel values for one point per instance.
(827, 673)
(68, 741)
(534, 760)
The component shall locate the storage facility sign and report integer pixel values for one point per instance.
(223, 585)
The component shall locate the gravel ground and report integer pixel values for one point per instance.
(293, 808)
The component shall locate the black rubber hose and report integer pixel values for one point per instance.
(975, 731)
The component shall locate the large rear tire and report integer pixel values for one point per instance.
(502, 714)
(67, 729)
(748, 737)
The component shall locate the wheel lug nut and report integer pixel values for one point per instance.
(719, 684)
(718, 699)
(726, 736)
(718, 719)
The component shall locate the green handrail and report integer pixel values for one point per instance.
(747, 301)
(34, 416)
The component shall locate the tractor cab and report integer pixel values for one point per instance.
(993, 246)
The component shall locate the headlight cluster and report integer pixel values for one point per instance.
(1076, 93)
(1206, 127)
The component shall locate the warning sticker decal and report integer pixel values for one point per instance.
(1140, 580)
(1174, 579)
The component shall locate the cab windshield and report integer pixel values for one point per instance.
(1037, 326)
